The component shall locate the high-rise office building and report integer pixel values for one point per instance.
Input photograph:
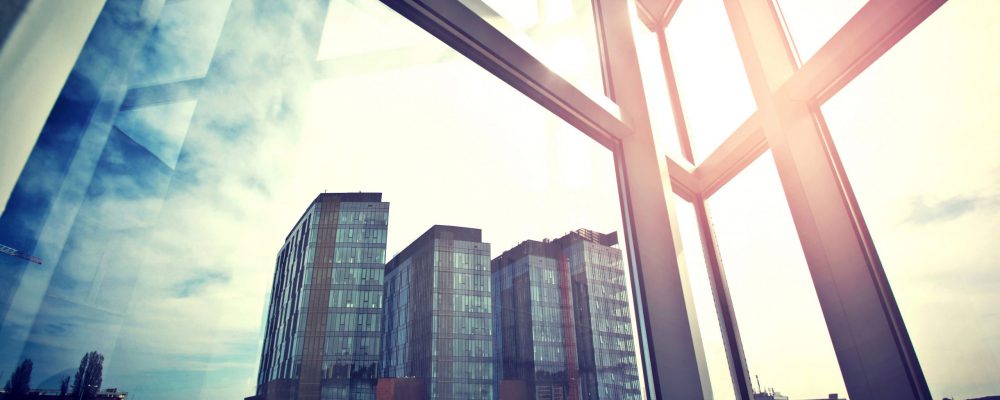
(325, 310)
(438, 317)
(562, 322)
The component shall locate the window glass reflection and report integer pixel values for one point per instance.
(182, 43)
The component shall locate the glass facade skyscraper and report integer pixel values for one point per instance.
(562, 322)
(325, 311)
(438, 318)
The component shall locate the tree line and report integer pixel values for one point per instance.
(86, 382)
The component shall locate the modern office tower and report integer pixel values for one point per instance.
(325, 311)
(438, 318)
(562, 320)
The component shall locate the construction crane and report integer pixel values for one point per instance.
(10, 251)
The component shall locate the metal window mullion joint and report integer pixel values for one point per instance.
(874, 352)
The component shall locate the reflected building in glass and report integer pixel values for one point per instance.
(438, 317)
(562, 319)
(325, 311)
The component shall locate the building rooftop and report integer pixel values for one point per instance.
(350, 197)
(445, 232)
(355, 197)
(549, 247)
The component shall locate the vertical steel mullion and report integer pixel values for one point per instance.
(738, 370)
(671, 353)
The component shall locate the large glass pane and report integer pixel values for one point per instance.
(811, 23)
(917, 133)
(712, 83)
(159, 128)
(234, 239)
(784, 335)
(519, 174)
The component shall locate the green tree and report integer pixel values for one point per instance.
(64, 387)
(17, 386)
(88, 378)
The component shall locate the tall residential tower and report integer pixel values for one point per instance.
(563, 326)
(325, 310)
(438, 317)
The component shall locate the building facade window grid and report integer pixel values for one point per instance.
(438, 316)
(328, 321)
(562, 318)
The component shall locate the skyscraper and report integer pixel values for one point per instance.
(325, 310)
(562, 321)
(438, 317)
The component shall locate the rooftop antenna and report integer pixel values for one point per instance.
(758, 382)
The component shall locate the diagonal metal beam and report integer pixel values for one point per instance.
(878, 26)
(869, 34)
(873, 348)
(472, 36)
(735, 153)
